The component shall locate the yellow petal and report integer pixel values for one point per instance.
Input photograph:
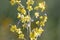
(21, 36)
(19, 15)
(36, 14)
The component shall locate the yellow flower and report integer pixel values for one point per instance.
(29, 8)
(13, 28)
(29, 2)
(19, 15)
(18, 1)
(21, 36)
(32, 35)
(18, 31)
(45, 18)
(37, 22)
(19, 8)
(36, 14)
(41, 17)
(42, 5)
(26, 18)
(23, 18)
(33, 39)
(38, 31)
(12, 2)
(42, 23)
(22, 10)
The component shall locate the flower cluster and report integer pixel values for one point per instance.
(17, 30)
(35, 33)
(15, 2)
(41, 6)
(29, 4)
(43, 20)
(25, 19)
(21, 10)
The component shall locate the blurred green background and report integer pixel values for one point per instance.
(8, 15)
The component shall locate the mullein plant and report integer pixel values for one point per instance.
(38, 20)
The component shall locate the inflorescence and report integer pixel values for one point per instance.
(38, 19)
